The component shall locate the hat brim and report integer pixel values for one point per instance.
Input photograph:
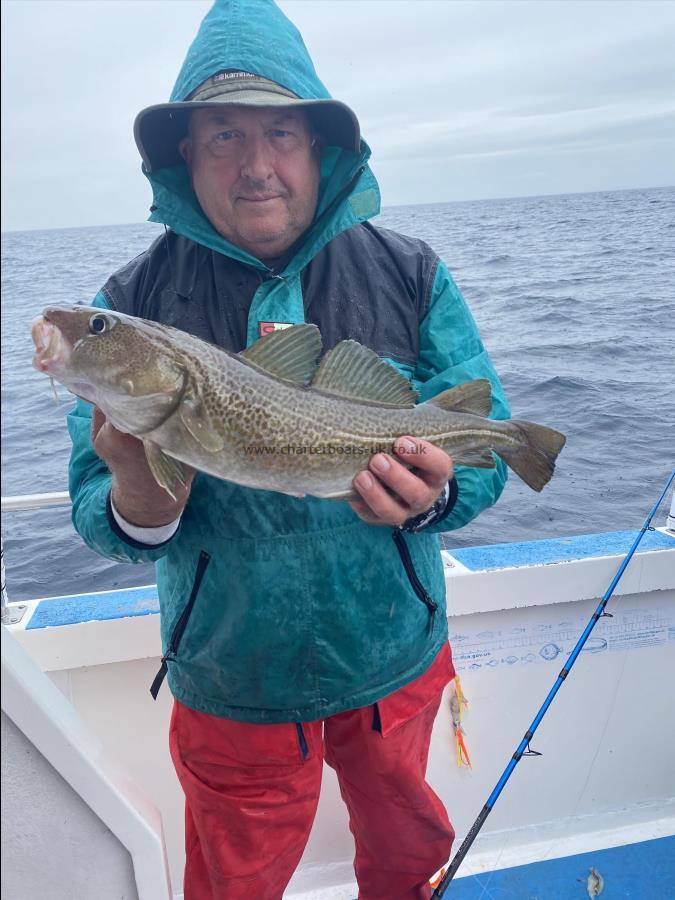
(159, 129)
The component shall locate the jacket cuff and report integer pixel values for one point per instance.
(441, 508)
(118, 526)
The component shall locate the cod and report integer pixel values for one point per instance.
(272, 416)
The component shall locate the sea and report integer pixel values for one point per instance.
(574, 296)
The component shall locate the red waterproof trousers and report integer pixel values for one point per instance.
(252, 791)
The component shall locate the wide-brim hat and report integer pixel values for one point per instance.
(159, 129)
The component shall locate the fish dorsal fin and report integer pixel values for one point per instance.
(290, 354)
(471, 397)
(353, 371)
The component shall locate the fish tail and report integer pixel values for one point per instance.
(533, 457)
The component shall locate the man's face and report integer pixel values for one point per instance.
(255, 172)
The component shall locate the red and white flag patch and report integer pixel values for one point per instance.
(268, 327)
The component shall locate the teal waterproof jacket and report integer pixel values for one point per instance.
(277, 609)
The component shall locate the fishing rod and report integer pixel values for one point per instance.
(524, 746)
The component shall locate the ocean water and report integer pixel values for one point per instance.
(574, 296)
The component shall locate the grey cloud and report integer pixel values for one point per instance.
(526, 132)
(457, 99)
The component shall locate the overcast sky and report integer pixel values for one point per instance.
(458, 100)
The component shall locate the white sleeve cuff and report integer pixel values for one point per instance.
(153, 535)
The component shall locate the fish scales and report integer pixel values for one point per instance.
(286, 424)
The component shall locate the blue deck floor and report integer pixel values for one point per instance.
(643, 871)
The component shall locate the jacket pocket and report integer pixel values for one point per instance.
(181, 624)
(413, 578)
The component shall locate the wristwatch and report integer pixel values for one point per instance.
(436, 513)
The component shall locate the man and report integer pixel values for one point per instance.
(293, 629)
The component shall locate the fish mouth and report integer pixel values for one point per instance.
(52, 350)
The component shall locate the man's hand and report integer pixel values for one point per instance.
(136, 495)
(391, 493)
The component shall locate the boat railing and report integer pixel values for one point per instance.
(35, 501)
(14, 613)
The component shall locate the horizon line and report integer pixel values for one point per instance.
(383, 208)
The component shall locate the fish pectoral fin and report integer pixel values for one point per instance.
(166, 471)
(290, 354)
(196, 418)
(355, 372)
(477, 459)
(470, 397)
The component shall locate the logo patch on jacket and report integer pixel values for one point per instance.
(268, 327)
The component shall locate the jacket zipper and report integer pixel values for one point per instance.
(181, 624)
(413, 578)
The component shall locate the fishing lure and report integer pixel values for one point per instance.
(458, 702)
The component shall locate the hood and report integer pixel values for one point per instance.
(255, 36)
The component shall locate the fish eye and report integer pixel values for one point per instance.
(100, 323)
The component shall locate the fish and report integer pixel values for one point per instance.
(278, 416)
(595, 883)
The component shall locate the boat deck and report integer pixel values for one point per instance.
(642, 871)
(636, 863)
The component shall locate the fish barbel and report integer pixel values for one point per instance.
(272, 416)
